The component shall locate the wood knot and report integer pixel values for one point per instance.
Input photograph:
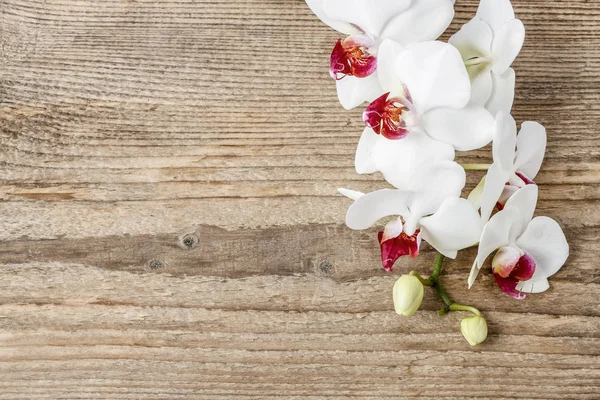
(156, 263)
(188, 242)
(324, 268)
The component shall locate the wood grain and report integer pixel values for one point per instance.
(170, 229)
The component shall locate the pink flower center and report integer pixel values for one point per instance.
(510, 270)
(387, 115)
(394, 248)
(352, 57)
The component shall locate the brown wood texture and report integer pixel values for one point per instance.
(170, 228)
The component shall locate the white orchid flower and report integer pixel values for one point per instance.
(436, 214)
(489, 44)
(529, 250)
(353, 61)
(517, 160)
(424, 116)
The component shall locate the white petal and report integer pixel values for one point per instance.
(481, 87)
(371, 18)
(423, 20)
(353, 91)
(505, 142)
(351, 194)
(371, 207)
(531, 147)
(317, 7)
(388, 55)
(454, 226)
(507, 44)
(474, 39)
(495, 12)
(496, 233)
(476, 195)
(503, 93)
(495, 180)
(364, 160)
(403, 161)
(468, 128)
(524, 200)
(533, 286)
(545, 241)
(437, 183)
(435, 76)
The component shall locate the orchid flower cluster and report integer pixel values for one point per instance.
(424, 101)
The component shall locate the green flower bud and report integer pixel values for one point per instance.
(474, 329)
(408, 295)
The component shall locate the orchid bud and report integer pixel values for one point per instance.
(408, 295)
(474, 329)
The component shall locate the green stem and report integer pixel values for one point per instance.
(439, 288)
(476, 167)
(424, 281)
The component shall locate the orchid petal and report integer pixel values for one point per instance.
(353, 91)
(364, 160)
(476, 195)
(545, 241)
(503, 93)
(482, 86)
(437, 183)
(495, 12)
(508, 41)
(402, 161)
(524, 200)
(434, 74)
(423, 20)
(364, 14)
(317, 7)
(474, 39)
(533, 286)
(371, 207)
(505, 141)
(454, 226)
(351, 194)
(388, 55)
(468, 128)
(495, 235)
(494, 185)
(531, 146)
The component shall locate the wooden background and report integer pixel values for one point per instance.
(170, 228)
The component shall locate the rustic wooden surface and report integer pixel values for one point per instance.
(170, 228)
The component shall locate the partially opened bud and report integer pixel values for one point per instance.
(474, 329)
(408, 295)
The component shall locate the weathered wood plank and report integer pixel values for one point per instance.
(169, 226)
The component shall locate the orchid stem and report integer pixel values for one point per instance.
(424, 281)
(476, 167)
(439, 288)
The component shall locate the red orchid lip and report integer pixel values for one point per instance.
(351, 57)
(394, 248)
(386, 116)
(508, 278)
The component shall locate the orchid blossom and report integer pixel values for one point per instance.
(530, 250)
(489, 44)
(517, 160)
(435, 214)
(424, 116)
(354, 60)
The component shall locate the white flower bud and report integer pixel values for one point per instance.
(474, 329)
(408, 295)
